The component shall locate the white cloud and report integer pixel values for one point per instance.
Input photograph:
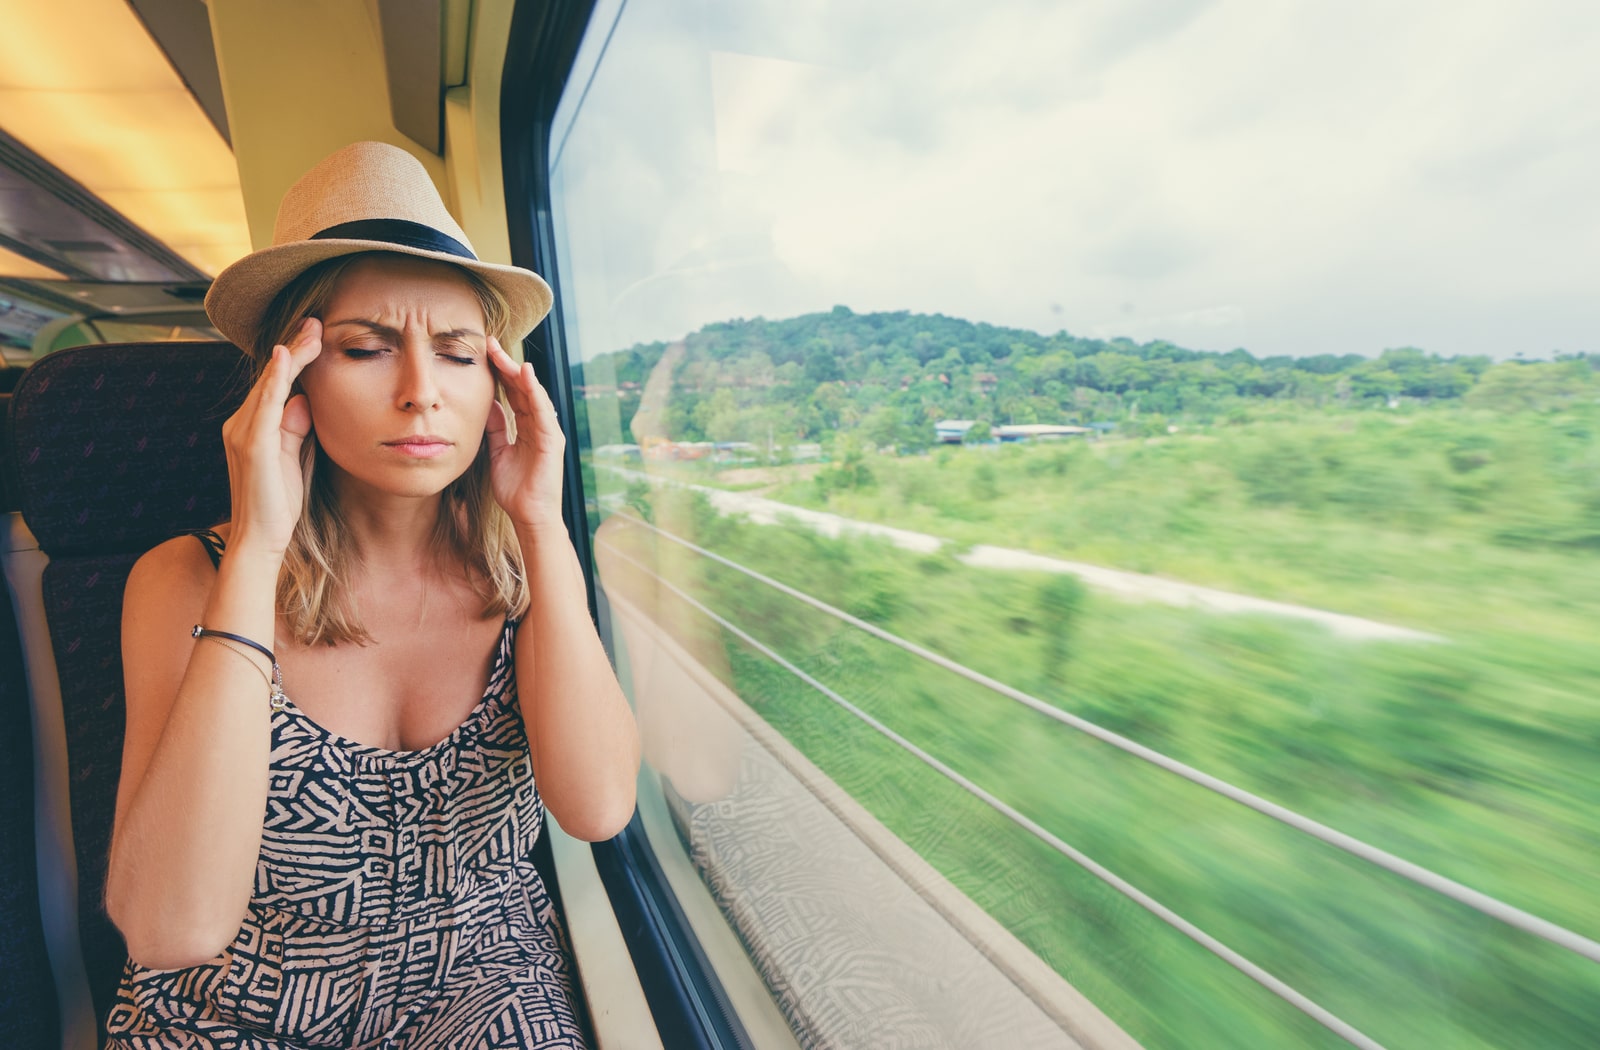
(1290, 178)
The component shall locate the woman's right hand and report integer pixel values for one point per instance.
(263, 441)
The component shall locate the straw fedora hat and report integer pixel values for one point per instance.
(368, 196)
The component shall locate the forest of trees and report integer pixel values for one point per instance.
(1457, 496)
(887, 377)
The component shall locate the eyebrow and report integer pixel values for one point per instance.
(394, 333)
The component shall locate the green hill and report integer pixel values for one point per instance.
(886, 377)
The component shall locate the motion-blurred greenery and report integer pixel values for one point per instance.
(1474, 756)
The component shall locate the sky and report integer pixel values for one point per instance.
(1289, 176)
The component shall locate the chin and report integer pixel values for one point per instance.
(408, 480)
(418, 483)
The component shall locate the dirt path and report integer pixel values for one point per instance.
(1129, 585)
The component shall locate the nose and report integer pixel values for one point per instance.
(419, 388)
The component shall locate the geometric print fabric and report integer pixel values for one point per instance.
(395, 907)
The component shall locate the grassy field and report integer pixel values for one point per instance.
(1474, 757)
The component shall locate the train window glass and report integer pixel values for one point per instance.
(32, 326)
(113, 329)
(1096, 506)
(21, 321)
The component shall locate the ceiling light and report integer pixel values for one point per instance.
(85, 87)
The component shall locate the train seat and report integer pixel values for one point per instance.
(28, 1019)
(114, 449)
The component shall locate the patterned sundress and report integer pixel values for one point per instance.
(395, 907)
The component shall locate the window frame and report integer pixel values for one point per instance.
(690, 1007)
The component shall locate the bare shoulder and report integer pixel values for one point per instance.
(166, 595)
(177, 572)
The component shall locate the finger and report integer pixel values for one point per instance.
(544, 408)
(496, 430)
(304, 333)
(521, 385)
(527, 396)
(309, 333)
(535, 408)
(305, 346)
(299, 349)
(502, 361)
(287, 362)
(273, 388)
(498, 420)
(508, 370)
(511, 375)
(296, 422)
(260, 427)
(308, 328)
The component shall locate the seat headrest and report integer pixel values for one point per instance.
(118, 447)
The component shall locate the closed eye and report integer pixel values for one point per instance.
(363, 352)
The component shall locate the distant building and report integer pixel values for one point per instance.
(1039, 431)
(952, 431)
(660, 449)
(677, 450)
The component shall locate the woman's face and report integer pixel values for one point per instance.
(400, 395)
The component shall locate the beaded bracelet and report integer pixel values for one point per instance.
(277, 700)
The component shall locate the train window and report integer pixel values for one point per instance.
(1096, 507)
(159, 325)
(35, 320)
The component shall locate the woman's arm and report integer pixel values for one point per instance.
(194, 759)
(192, 796)
(581, 730)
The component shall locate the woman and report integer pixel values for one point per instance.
(345, 706)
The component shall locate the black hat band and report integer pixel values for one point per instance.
(403, 232)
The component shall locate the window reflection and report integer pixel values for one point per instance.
(936, 317)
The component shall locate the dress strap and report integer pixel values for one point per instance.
(212, 543)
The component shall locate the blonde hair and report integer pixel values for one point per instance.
(314, 586)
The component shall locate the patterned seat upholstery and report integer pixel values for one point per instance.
(116, 448)
(27, 992)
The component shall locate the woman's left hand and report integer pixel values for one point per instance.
(525, 474)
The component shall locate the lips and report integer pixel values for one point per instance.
(420, 446)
